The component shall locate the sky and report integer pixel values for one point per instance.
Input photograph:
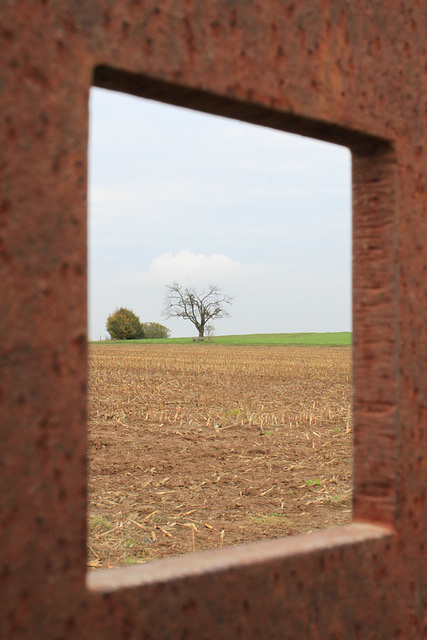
(177, 195)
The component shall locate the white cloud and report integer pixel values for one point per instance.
(191, 269)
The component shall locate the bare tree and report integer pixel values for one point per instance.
(199, 308)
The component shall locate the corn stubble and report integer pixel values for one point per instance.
(195, 447)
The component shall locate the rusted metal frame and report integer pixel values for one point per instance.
(373, 192)
(375, 336)
(232, 558)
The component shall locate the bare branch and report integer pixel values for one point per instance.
(199, 308)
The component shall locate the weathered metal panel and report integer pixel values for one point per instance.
(348, 72)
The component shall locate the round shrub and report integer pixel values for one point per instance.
(154, 330)
(123, 324)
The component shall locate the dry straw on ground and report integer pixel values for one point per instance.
(195, 447)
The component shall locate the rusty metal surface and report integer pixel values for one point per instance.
(348, 72)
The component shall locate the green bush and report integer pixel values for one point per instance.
(155, 330)
(123, 324)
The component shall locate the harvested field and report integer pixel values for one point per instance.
(195, 447)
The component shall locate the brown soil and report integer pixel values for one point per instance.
(200, 446)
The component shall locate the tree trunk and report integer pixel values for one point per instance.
(201, 332)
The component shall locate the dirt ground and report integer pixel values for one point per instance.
(195, 447)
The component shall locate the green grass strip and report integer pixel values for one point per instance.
(342, 338)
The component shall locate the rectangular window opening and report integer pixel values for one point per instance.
(244, 435)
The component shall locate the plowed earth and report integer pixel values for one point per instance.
(195, 447)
